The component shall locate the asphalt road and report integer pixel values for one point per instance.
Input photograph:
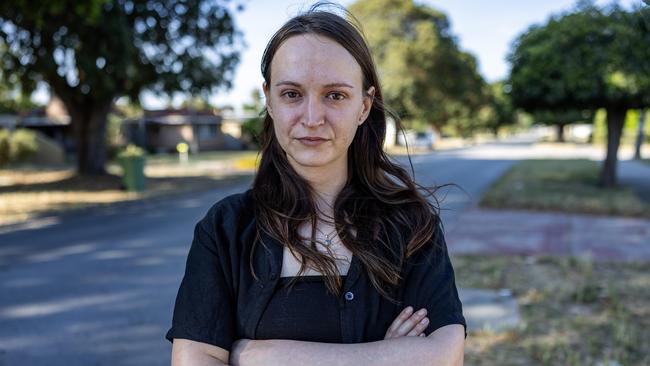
(97, 287)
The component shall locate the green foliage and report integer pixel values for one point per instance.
(12, 100)
(563, 117)
(587, 59)
(4, 147)
(197, 103)
(630, 129)
(425, 76)
(113, 135)
(115, 48)
(256, 104)
(252, 127)
(92, 52)
(497, 111)
(23, 144)
(131, 151)
(16, 146)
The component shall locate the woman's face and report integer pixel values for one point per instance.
(316, 100)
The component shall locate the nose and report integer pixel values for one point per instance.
(315, 112)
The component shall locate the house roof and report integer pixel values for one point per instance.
(182, 116)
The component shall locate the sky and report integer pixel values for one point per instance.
(484, 28)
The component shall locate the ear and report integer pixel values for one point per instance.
(368, 99)
(267, 98)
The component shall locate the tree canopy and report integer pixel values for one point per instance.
(498, 111)
(91, 52)
(425, 76)
(589, 58)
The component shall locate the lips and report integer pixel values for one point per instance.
(312, 140)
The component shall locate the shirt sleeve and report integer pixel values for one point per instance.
(204, 309)
(430, 284)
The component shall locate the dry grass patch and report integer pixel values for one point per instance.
(575, 311)
(28, 193)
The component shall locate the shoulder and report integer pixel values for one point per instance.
(231, 212)
(431, 252)
(234, 203)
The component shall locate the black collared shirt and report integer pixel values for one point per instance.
(219, 301)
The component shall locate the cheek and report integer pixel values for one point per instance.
(347, 130)
(283, 123)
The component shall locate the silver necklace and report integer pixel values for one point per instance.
(328, 240)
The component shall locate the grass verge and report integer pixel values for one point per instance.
(167, 159)
(562, 185)
(574, 311)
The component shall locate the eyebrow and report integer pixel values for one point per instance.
(330, 85)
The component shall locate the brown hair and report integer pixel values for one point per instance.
(378, 196)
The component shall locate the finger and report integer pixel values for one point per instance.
(419, 327)
(422, 335)
(411, 322)
(401, 318)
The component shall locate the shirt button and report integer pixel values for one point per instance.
(349, 296)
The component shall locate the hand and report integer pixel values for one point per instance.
(237, 351)
(408, 324)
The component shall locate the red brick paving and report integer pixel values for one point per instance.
(519, 232)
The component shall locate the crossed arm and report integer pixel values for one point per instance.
(404, 344)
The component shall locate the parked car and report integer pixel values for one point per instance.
(417, 139)
(581, 132)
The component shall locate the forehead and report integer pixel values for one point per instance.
(311, 58)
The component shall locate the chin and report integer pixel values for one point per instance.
(311, 160)
(311, 163)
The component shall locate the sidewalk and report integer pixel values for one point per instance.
(519, 232)
(636, 175)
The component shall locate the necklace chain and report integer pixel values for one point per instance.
(328, 240)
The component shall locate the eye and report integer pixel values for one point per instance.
(336, 96)
(290, 94)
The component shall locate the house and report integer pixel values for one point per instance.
(163, 130)
(51, 124)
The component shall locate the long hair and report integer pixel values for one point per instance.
(379, 196)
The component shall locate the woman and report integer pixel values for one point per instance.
(325, 258)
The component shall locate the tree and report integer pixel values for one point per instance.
(561, 118)
(92, 52)
(588, 59)
(425, 77)
(12, 99)
(252, 127)
(497, 111)
(640, 135)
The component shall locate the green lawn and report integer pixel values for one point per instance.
(562, 185)
(574, 311)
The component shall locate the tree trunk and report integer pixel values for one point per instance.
(89, 123)
(560, 132)
(640, 135)
(615, 120)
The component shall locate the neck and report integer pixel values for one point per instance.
(326, 184)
